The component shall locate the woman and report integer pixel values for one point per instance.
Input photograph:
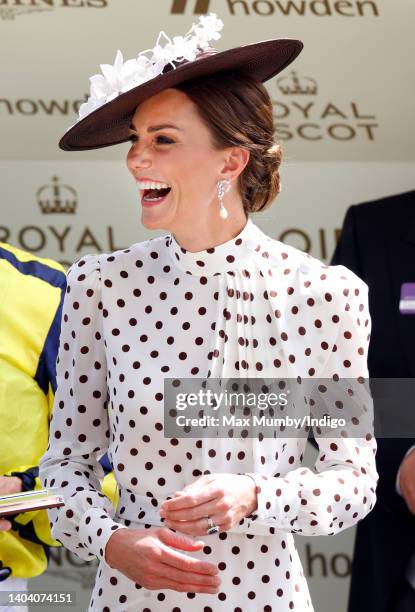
(214, 298)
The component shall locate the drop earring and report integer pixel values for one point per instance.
(223, 187)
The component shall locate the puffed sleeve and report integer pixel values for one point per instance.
(79, 430)
(342, 489)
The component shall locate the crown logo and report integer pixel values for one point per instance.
(56, 198)
(294, 85)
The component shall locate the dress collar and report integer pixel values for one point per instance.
(230, 255)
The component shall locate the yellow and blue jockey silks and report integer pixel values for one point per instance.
(31, 295)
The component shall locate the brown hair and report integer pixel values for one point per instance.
(238, 111)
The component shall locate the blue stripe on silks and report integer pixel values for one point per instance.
(34, 268)
(27, 532)
(28, 478)
(105, 463)
(46, 369)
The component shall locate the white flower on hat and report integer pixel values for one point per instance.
(182, 48)
(123, 76)
(208, 29)
(160, 54)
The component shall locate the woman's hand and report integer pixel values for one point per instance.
(146, 556)
(226, 498)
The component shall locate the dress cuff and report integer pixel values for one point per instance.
(95, 529)
(276, 501)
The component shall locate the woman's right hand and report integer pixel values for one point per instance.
(146, 556)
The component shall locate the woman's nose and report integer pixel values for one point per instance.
(140, 156)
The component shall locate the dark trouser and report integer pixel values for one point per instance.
(404, 600)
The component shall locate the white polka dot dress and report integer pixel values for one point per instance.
(249, 307)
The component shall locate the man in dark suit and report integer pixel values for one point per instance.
(378, 244)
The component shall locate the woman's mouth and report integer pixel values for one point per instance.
(153, 193)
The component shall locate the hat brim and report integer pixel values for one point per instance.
(109, 125)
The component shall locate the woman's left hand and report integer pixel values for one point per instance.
(225, 498)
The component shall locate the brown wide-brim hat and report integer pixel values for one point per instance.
(110, 124)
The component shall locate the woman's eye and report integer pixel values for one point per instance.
(164, 140)
(159, 139)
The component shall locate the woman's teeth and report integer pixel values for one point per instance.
(153, 192)
(151, 185)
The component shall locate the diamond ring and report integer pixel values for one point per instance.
(212, 528)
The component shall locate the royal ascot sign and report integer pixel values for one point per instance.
(10, 9)
(299, 113)
(58, 231)
(279, 8)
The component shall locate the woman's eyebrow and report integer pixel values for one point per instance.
(154, 128)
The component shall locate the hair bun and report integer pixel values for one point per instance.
(238, 110)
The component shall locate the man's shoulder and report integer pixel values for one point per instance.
(26, 264)
(25, 256)
(385, 206)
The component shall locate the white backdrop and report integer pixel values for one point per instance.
(344, 115)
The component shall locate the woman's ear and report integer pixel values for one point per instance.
(236, 160)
